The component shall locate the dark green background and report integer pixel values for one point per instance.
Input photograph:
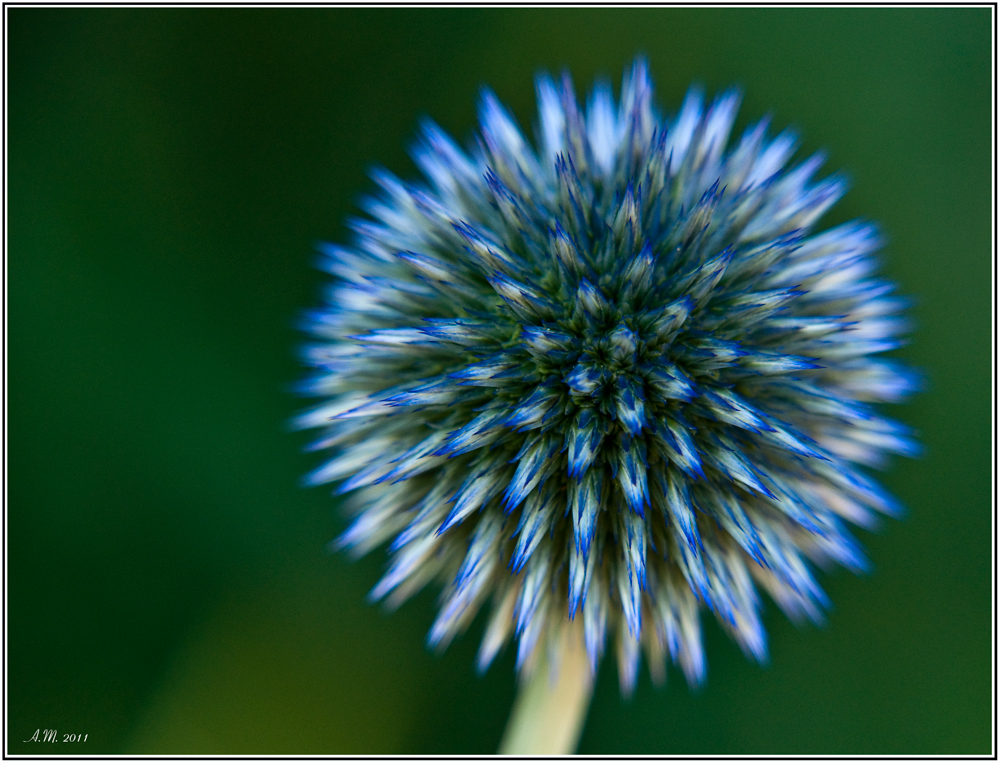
(169, 171)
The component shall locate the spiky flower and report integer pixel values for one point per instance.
(615, 377)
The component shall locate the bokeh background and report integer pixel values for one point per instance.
(169, 172)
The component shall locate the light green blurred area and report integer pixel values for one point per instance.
(168, 173)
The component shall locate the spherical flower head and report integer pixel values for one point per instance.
(615, 378)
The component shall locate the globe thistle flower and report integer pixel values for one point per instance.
(617, 378)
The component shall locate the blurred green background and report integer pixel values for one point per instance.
(169, 172)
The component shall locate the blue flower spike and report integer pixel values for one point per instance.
(616, 378)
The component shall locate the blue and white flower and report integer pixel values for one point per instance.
(618, 377)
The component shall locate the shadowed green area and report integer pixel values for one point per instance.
(169, 171)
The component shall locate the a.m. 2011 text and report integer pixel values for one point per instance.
(51, 735)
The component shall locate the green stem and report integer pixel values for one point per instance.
(548, 715)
